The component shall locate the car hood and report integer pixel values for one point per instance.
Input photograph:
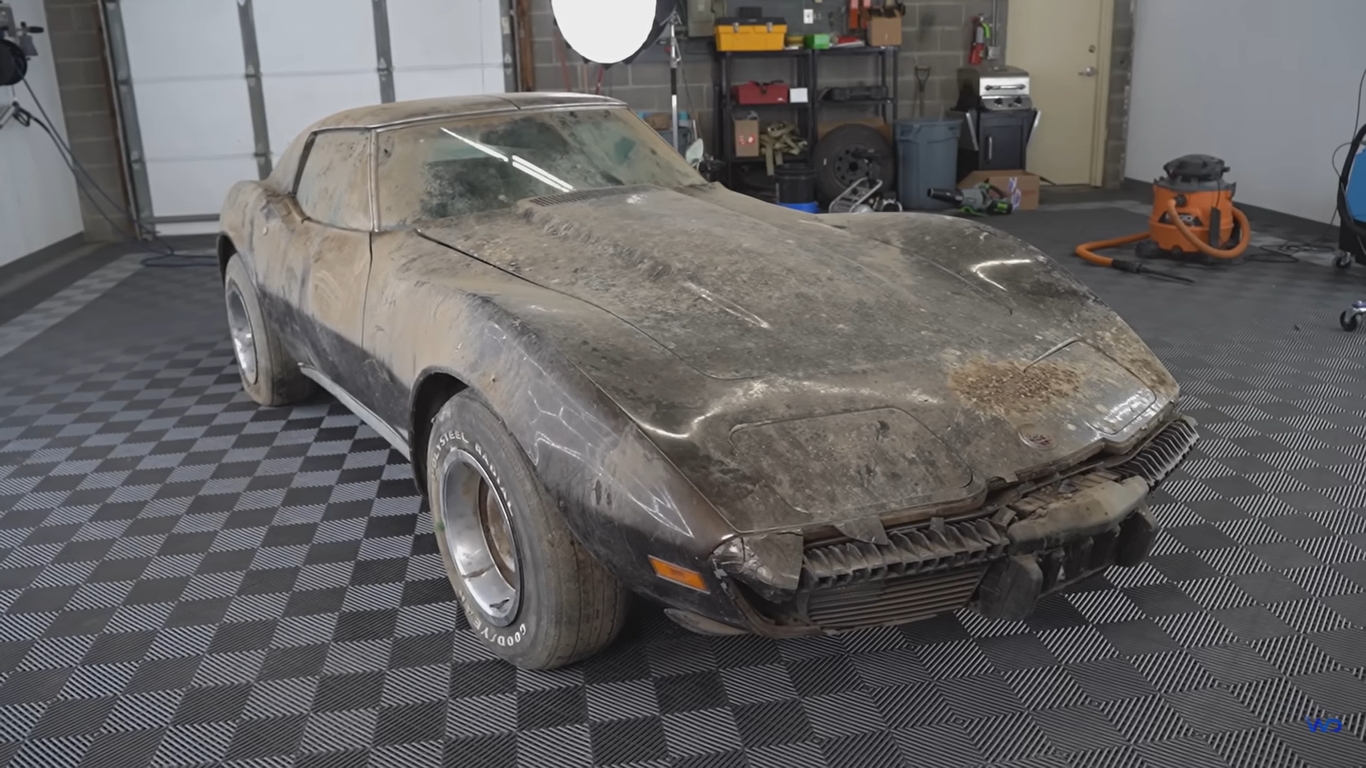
(803, 369)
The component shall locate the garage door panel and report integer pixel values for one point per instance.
(422, 33)
(316, 36)
(438, 83)
(183, 39)
(195, 187)
(187, 119)
(491, 30)
(191, 97)
(495, 81)
(294, 103)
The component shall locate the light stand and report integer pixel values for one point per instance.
(675, 60)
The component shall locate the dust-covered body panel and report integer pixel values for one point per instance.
(920, 409)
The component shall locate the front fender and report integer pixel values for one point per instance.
(620, 496)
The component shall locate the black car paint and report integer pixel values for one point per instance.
(597, 403)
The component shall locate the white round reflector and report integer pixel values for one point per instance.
(609, 31)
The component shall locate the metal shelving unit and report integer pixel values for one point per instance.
(805, 72)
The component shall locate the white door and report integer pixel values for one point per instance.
(187, 66)
(1059, 42)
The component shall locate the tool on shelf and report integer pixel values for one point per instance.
(854, 93)
(751, 31)
(780, 139)
(755, 92)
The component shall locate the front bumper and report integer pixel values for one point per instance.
(1001, 564)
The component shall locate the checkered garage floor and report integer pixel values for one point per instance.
(188, 579)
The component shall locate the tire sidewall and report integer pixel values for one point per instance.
(236, 276)
(828, 185)
(464, 424)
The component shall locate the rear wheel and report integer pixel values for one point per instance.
(269, 375)
(532, 594)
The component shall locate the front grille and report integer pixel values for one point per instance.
(896, 600)
(917, 551)
(1159, 457)
(926, 570)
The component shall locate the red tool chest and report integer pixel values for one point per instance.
(755, 92)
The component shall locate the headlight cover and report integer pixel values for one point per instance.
(770, 564)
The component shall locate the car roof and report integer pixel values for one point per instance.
(384, 115)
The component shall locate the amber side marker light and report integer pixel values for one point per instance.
(678, 574)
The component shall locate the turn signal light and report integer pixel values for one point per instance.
(678, 574)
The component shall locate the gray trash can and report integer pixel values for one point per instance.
(928, 151)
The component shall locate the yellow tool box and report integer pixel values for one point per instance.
(735, 34)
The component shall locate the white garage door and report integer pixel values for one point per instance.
(197, 119)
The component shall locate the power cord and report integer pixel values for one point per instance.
(165, 254)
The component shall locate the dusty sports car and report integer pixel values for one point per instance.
(611, 377)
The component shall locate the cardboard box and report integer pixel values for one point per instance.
(746, 138)
(1021, 187)
(884, 30)
(660, 121)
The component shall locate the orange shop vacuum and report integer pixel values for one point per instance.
(1193, 219)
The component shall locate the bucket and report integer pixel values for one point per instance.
(795, 183)
(803, 207)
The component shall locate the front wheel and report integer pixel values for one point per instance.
(530, 591)
(1349, 320)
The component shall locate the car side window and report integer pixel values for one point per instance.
(334, 187)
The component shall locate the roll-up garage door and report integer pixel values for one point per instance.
(212, 91)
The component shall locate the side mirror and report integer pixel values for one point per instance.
(696, 152)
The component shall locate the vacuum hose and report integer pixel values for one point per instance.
(1088, 250)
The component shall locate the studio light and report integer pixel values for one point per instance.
(617, 31)
(611, 31)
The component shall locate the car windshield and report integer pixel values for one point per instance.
(464, 166)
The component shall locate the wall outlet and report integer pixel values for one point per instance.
(808, 16)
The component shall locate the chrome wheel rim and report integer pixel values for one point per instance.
(243, 340)
(479, 538)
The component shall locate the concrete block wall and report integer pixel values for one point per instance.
(935, 35)
(1117, 111)
(88, 106)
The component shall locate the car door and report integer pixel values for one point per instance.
(330, 244)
